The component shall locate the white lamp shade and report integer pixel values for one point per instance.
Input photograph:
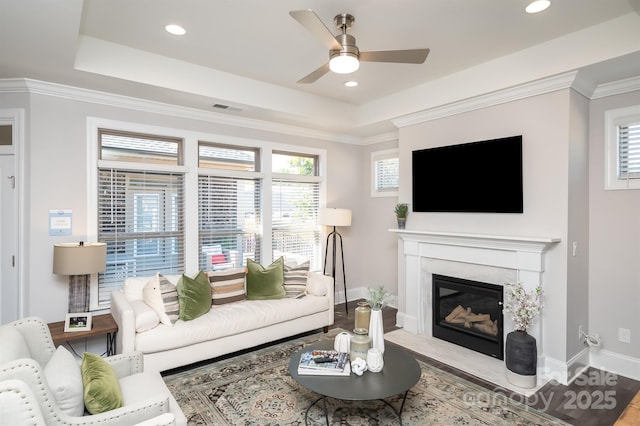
(344, 63)
(334, 217)
(77, 259)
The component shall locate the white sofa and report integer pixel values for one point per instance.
(224, 329)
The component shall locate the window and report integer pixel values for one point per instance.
(622, 148)
(229, 196)
(140, 211)
(171, 201)
(385, 171)
(295, 232)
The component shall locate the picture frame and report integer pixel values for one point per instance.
(80, 321)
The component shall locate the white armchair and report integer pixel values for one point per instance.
(27, 398)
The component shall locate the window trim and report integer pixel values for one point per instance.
(614, 119)
(191, 172)
(378, 156)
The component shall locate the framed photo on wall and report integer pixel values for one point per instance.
(77, 322)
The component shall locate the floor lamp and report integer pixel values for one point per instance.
(335, 217)
(79, 260)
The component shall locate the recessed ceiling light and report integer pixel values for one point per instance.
(538, 6)
(351, 83)
(175, 29)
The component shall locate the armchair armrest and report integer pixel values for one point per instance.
(126, 364)
(166, 419)
(18, 404)
(123, 314)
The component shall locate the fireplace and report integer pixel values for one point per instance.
(468, 313)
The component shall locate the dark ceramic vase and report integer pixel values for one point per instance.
(521, 358)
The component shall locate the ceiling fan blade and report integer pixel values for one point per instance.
(413, 56)
(308, 19)
(313, 76)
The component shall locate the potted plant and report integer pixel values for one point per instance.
(378, 298)
(402, 211)
(521, 353)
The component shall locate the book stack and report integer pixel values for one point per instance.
(324, 363)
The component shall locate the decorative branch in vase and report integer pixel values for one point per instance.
(379, 297)
(521, 357)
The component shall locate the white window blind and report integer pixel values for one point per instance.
(140, 218)
(295, 232)
(385, 173)
(229, 221)
(629, 151)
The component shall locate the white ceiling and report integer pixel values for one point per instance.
(249, 53)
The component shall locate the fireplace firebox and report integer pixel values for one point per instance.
(468, 313)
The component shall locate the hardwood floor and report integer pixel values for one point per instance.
(596, 398)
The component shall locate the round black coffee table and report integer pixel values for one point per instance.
(400, 373)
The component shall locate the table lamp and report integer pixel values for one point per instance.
(335, 217)
(79, 260)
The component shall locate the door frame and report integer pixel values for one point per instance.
(16, 118)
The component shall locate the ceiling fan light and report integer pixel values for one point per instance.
(538, 6)
(344, 63)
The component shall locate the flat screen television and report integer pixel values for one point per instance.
(476, 177)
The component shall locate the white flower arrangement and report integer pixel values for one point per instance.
(524, 306)
(379, 297)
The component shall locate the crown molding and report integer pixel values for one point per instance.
(25, 85)
(617, 87)
(539, 87)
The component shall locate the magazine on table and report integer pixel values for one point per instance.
(315, 372)
(322, 360)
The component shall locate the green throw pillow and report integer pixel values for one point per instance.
(101, 387)
(194, 296)
(265, 283)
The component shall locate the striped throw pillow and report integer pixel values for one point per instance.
(169, 295)
(227, 286)
(295, 279)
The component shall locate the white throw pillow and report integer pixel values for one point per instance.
(65, 381)
(146, 318)
(153, 297)
(315, 285)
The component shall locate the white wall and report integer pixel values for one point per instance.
(57, 162)
(614, 255)
(543, 121)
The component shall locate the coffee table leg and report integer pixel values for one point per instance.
(326, 412)
(397, 412)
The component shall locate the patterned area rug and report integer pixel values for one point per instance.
(256, 389)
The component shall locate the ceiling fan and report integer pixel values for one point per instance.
(344, 55)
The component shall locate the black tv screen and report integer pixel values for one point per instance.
(476, 177)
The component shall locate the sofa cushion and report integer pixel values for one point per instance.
(65, 381)
(169, 293)
(152, 294)
(265, 283)
(229, 319)
(145, 317)
(295, 279)
(227, 286)
(194, 296)
(101, 387)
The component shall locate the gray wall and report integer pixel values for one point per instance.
(56, 170)
(614, 254)
(544, 123)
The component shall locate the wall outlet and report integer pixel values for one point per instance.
(624, 335)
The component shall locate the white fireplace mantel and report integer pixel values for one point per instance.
(524, 255)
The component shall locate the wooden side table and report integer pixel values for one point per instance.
(100, 324)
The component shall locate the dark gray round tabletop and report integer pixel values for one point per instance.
(400, 373)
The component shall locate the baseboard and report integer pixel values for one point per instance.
(615, 363)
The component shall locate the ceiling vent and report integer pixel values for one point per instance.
(226, 107)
